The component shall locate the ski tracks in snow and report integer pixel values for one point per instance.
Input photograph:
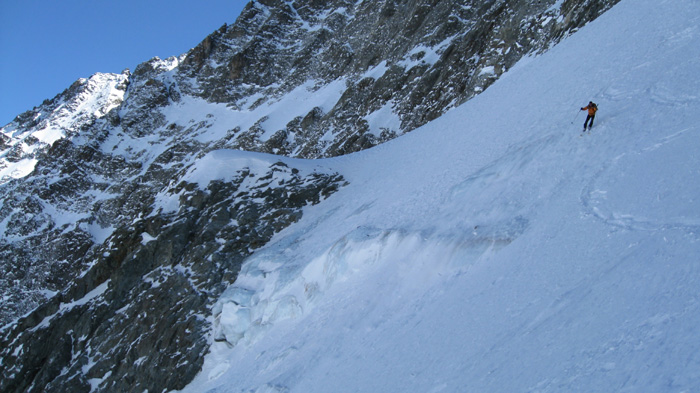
(602, 196)
(510, 194)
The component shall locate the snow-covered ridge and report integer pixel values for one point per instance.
(86, 101)
(227, 165)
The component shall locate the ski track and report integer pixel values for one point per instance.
(594, 195)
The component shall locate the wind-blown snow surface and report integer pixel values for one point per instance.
(495, 249)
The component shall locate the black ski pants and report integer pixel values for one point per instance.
(591, 118)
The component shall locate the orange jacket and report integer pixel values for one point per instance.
(592, 108)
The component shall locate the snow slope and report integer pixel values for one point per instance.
(495, 249)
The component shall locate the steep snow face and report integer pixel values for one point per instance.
(498, 248)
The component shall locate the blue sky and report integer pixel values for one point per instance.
(46, 45)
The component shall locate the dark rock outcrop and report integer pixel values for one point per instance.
(144, 298)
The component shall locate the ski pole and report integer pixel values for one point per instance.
(575, 117)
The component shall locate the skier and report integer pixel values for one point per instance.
(592, 109)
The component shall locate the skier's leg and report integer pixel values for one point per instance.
(591, 124)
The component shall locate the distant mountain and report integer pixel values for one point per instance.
(117, 237)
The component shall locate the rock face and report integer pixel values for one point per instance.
(144, 298)
(128, 207)
(402, 63)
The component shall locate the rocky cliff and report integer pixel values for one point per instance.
(119, 230)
